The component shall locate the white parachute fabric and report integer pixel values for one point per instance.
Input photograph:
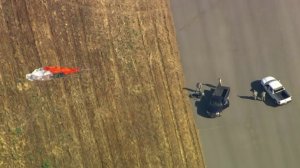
(39, 74)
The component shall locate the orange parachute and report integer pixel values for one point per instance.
(64, 70)
(50, 72)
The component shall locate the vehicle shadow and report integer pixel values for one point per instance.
(202, 100)
(194, 94)
(246, 97)
(190, 90)
(202, 104)
(270, 102)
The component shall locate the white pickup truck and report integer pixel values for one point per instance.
(275, 89)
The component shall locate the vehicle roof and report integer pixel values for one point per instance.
(275, 84)
(272, 82)
(267, 79)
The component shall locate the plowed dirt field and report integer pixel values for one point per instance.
(126, 109)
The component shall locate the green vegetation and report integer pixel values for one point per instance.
(46, 164)
(18, 131)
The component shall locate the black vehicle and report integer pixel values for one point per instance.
(218, 101)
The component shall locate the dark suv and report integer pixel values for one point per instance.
(218, 101)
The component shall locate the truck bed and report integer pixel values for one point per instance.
(222, 91)
(281, 95)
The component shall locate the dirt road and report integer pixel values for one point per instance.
(127, 110)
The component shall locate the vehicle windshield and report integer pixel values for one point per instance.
(278, 89)
(215, 105)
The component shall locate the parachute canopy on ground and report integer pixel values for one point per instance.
(50, 72)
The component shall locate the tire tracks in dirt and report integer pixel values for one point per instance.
(20, 19)
(154, 97)
(116, 73)
(171, 107)
(152, 94)
(59, 55)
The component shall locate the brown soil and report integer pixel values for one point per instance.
(127, 109)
